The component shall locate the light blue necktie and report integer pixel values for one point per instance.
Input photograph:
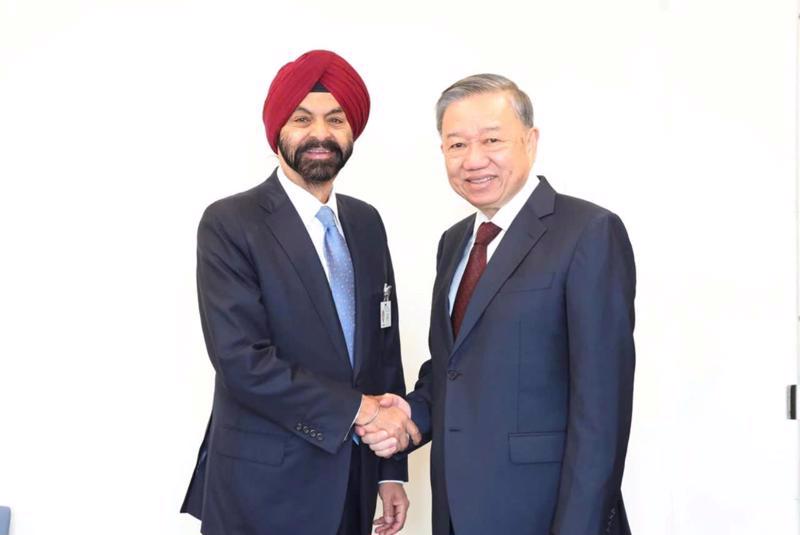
(340, 269)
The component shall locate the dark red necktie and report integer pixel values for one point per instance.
(472, 273)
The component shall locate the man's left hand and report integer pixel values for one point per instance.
(395, 507)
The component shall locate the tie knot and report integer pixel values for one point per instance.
(486, 233)
(326, 217)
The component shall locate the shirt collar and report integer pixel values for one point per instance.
(508, 212)
(304, 202)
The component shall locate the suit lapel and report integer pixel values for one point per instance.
(519, 239)
(356, 240)
(453, 251)
(291, 234)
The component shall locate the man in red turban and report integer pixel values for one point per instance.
(296, 293)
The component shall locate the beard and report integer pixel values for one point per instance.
(314, 171)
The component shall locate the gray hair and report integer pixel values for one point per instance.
(485, 83)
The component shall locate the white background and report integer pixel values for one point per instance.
(121, 120)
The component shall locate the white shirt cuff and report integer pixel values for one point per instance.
(354, 420)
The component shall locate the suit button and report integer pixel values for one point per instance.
(313, 434)
(306, 430)
(453, 374)
(299, 427)
(319, 437)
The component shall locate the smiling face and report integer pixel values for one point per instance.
(316, 141)
(487, 150)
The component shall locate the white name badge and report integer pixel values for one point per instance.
(386, 314)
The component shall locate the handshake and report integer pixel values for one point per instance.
(384, 424)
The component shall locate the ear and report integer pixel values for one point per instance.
(532, 142)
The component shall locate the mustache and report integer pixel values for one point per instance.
(327, 144)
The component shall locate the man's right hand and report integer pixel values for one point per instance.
(384, 423)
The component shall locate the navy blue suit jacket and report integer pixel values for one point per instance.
(529, 408)
(276, 455)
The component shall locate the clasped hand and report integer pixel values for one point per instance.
(384, 423)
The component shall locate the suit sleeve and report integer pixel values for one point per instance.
(236, 330)
(392, 368)
(600, 290)
(421, 399)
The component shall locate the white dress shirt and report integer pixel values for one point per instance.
(503, 219)
(307, 207)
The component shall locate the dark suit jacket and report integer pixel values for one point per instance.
(276, 455)
(529, 408)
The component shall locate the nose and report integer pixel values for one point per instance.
(475, 158)
(320, 129)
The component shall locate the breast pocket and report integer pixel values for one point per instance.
(528, 282)
(250, 446)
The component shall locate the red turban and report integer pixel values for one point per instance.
(296, 79)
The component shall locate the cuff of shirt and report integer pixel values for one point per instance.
(354, 420)
(391, 481)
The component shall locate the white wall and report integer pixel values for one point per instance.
(121, 120)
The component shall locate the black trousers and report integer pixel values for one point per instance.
(351, 516)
